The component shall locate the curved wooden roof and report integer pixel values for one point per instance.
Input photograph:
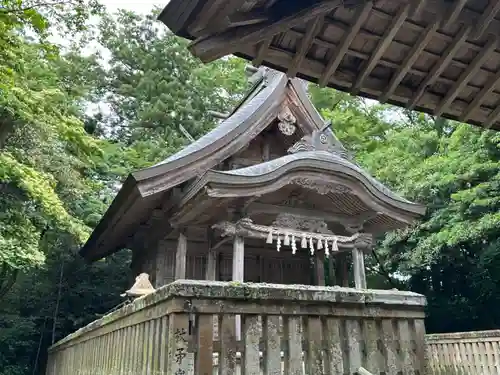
(317, 170)
(149, 193)
(437, 56)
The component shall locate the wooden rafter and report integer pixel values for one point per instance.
(486, 18)
(493, 117)
(261, 52)
(394, 65)
(417, 7)
(410, 59)
(381, 47)
(466, 16)
(250, 18)
(349, 35)
(440, 65)
(466, 76)
(480, 97)
(207, 13)
(455, 9)
(216, 46)
(313, 29)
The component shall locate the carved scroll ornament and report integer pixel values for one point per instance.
(302, 223)
(287, 124)
(321, 186)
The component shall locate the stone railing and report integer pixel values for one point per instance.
(290, 330)
(474, 353)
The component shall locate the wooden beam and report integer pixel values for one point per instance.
(375, 85)
(456, 8)
(480, 97)
(247, 18)
(349, 35)
(467, 16)
(216, 46)
(466, 76)
(214, 17)
(313, 29)
(358, 259)
(261, 53)
(440, 65)
(417, 7)
(410, 59)
(492, 118)
(181, 257)
(347, 220)
(381, 47)
(207, 13)
(486, 18)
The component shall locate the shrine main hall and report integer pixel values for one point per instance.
(270, 195)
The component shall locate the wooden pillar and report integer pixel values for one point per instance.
(238, 272)
(358, 259)
(211, 265)
(180, 257)
(320, 268)
(210, 272)
(341, 270)
(238, 258)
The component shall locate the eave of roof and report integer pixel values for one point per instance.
(440, 57)
(272, 175)
(228, 137)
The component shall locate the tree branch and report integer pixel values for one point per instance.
(36, 5)
(382, 271)
(7, 284)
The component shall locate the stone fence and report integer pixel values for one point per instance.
(468, 353)
(262, 329)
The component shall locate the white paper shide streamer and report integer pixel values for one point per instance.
(307, 241)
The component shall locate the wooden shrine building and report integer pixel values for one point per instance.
(263, 197)
(441, 57)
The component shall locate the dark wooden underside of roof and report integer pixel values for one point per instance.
(437, 56)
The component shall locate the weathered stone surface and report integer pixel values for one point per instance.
(463, 335)
(192, 289)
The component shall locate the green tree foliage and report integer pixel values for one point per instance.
(60, 165)
(153, 87)
(73, 126)
(452, 256)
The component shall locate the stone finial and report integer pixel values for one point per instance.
(141, 287)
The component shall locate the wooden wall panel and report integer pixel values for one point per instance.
(261, 265)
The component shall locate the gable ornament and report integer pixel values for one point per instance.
(287, 122)
(320, 140)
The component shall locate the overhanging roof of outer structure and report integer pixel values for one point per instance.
(437, 56)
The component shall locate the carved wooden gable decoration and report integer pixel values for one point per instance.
(273, 156)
